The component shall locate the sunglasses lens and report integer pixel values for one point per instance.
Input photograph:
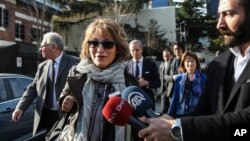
(105, 44)
(108, 44)
(93, 43)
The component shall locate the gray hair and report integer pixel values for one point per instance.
(54, 38)
(136, 41)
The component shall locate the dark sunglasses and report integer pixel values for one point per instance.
(105, 44)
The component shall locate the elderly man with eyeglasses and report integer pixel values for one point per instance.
(48, 83)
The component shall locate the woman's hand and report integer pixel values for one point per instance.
(68, 103)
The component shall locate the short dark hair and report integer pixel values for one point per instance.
(179, 44)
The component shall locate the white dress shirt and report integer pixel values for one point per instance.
(139, 64)
(240, 61)
(56, 68)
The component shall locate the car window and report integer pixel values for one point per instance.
(3, 93)
(19, 85)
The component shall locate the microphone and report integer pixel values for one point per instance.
(118, 111)
(140, 101)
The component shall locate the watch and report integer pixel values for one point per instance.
(176, 130)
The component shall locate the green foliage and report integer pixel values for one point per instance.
(198, 24)
(190, 13)
(217, 44)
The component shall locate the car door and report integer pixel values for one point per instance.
(6, 108)
(14, 88)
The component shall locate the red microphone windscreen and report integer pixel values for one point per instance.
(117, 111)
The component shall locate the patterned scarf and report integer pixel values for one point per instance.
(114, 75)
(196, 91)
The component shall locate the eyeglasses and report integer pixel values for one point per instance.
(105, 44)
(46, 45)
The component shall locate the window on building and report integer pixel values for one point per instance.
(19, 34)
(35, 32)
(4, 17)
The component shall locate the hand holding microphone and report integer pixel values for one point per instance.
(118, 111)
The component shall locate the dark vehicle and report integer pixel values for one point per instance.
(12, 87)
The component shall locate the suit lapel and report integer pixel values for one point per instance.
(243, 77)
(162, 68)
(172, 69)
(44, 77)
(46, 71)
(168, 67)
(225, 64)
(143, 68)
(62, 65)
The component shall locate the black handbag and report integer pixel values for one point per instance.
(56, 130)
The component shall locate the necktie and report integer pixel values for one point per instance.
(51, 85)
(137, 71)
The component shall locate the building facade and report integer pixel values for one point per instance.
(20, 33)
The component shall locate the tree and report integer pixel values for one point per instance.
(152, 38)
(118, 8)
(108, 8)
(193, 23)
(76, 13)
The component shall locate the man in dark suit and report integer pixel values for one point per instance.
(164, 71)
(47, 84)
(225, 104)
(144, 69)
(178, 49)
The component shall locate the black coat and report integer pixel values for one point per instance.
(150, 73)
(223, 103)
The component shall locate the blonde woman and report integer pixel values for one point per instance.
(104, 50)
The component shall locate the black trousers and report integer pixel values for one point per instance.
(165, 103)
(151, 95)
(48, 119)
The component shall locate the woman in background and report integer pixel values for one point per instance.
(188, 87)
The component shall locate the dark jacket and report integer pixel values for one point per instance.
(224, 104)
(38, 88)
(149, 73)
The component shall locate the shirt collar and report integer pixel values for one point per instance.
(237, 53)
(140, 60)
(58, 59)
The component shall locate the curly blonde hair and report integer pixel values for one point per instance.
(107, 27)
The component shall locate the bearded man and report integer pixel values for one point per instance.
(224, 107)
